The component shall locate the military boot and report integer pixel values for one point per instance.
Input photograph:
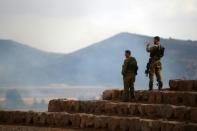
(160, 85)
(150, 85)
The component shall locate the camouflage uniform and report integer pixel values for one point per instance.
(129, 71)
(154, 66)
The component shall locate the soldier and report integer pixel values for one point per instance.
(154, 65)
(129, 71)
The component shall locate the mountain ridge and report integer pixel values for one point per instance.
(97, 64)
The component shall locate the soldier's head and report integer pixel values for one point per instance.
(156, 40)
(127, 53)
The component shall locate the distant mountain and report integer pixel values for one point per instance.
(21, 64)
(98, 64)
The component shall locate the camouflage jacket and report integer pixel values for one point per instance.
(153, 51)
(129, 66)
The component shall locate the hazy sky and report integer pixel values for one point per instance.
(67, 25)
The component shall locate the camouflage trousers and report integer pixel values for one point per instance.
(128, 92)
(155, 69)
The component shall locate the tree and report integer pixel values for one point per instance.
(13, 100)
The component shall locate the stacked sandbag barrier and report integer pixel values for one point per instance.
(174, 109)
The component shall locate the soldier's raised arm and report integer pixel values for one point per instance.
(148, 48)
